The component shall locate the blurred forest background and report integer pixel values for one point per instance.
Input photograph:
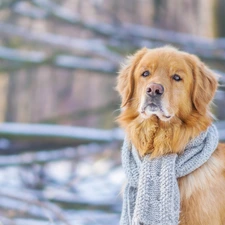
(59, 143)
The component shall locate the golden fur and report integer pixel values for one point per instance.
(182, 115)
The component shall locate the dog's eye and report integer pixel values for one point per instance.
(176, 77)
(145, 74)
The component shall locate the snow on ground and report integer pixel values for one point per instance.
(85, 190)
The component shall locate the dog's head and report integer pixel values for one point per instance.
(166, 83)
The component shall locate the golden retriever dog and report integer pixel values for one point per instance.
(183, 88)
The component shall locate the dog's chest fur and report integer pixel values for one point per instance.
(203, 193)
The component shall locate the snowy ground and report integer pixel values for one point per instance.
(82, 190)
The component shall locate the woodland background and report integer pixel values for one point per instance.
(59, 143)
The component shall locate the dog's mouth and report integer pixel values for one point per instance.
(152, 108)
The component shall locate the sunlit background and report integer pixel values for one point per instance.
(59, 142)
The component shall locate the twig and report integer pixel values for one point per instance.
(57, 212)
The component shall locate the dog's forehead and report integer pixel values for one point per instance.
(167, 59)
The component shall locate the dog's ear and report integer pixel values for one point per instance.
(125, 80)
(204, 86)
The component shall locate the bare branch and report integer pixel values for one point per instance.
(29, 58)
(90, 46)
(141, 35)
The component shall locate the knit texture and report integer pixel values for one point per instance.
(151, 196)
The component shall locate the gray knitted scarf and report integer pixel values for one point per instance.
(151, 196)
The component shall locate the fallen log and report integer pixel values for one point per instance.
(45, 156)
(81, 134)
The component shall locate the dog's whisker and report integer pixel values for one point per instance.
(132, 99)
(116, 110)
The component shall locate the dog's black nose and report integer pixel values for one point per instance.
(154, 89)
